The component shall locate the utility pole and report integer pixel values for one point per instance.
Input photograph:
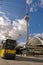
(27, 18)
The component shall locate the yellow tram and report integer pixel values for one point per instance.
(8, 49)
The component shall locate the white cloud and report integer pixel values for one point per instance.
(34, 5)
(2, 36)
(15, 30)
(3, 21)
(41, 3)
(38, 35)
(28, 2)
(18, 29)
(33, 9)
(2, 13)
(6, 18)
(21, 44)
(4, 26)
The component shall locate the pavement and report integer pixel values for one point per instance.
(22, 60)
(3, 62)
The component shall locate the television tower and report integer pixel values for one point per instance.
(27, 19)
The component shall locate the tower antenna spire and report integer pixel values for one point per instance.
(26, 7)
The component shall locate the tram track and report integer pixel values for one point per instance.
(21, 60)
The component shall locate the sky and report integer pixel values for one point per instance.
(15, 10)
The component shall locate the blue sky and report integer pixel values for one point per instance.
(15, 9)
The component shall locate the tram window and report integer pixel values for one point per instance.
(9, 44)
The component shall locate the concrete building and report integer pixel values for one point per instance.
(35, 41)
(35, 45)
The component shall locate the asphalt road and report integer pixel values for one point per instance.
(20, 60)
